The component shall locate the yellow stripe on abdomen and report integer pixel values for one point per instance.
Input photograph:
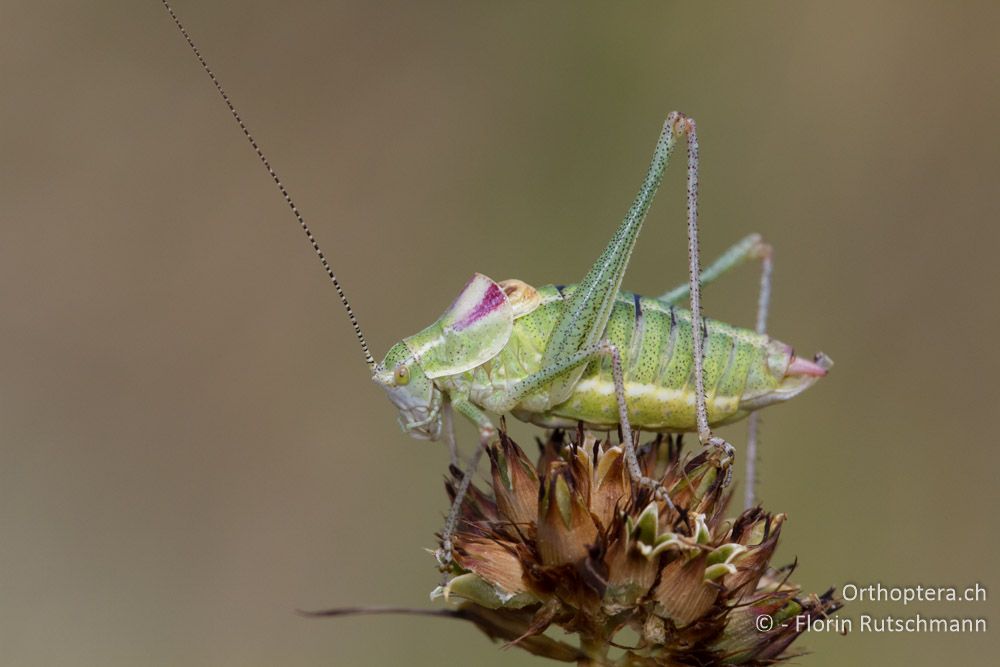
(650, 406)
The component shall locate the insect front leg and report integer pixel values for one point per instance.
(486, 433)
(448, 417)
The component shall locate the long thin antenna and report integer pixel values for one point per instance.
(277, 181)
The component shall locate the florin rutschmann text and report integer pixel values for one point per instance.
(878, 623)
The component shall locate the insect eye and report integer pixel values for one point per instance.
(402, 374)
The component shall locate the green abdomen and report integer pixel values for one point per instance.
(656, 344)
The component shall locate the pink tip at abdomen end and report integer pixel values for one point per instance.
(800, 366)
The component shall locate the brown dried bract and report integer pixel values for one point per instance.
(569, 541)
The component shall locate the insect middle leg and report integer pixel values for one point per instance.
(504, 401)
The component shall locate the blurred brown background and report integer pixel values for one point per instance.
(191, 446)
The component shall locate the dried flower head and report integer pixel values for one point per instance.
(569, 541)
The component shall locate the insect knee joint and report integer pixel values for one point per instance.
(762, 249)
(681, 123)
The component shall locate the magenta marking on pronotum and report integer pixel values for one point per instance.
(492, 300)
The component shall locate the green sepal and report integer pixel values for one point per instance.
(643, 529)
(726, 553)
(702, 535)
(474, 588)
